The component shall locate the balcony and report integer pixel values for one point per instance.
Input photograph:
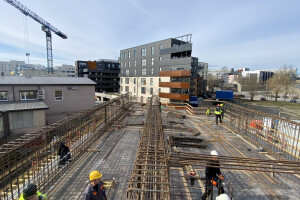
(182, 97)
(176, 73)
(176, 49)
(175, 84)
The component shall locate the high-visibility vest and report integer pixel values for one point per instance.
(218, 111)
(208, 112)
(39, 194)
(221, 105)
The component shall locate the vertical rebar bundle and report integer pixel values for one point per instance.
(150, 176)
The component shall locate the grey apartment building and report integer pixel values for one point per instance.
(164, 68)
(104, 72)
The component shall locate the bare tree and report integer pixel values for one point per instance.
(282, 81)
(251, 85)
(214, 82)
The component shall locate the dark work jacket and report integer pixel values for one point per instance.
(63, 150)
(91, 194)
(212, 172)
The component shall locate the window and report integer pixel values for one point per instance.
(135, 72)
(126, 88)
(144, 62)
(159, 80)
(135, 63)
(151, 91)
(134, 81)
(121, 80)
(159, 58)
(151, 81)
(28, 95)
(126, 80)
(144, 72)
(160, 69)
(125, 64)
(124, 55)
(121, 88)
(3, 96)
(127, 72)
(58, 95)
(160, 46)
(133, 89)
(159, 90)
(144, 52)
(143, 90)
(128, 63)
(128, 54)
(134, 53)
(152, 50)
(143, 81)
(151, 70)
(121, 55)
(152, 61)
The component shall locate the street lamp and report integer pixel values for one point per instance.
(28, 54)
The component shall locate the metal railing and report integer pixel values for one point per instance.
(34, 157)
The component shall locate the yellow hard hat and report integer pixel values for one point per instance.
(95, 175)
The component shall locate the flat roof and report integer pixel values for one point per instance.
(22, 80)
(19, 106)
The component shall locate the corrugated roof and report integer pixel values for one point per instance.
(17, 106)
(21, 80)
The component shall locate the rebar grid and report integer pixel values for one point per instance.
(150, 175)
(33, 157)
(236, 163)
(279, 136)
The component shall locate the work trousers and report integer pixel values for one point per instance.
(209, 187)
(218, 116)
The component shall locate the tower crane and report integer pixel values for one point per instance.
(46, 27)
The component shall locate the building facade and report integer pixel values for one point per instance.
(164, 68)
(104, 72)
(8, 68)
(64, 96)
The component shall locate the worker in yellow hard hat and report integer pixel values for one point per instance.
(95, 190)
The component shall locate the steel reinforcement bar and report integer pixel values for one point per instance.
(34, 157)
(278, 136)
(150, 175)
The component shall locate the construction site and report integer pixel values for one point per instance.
(147, 153)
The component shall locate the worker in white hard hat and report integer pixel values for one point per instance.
(223, 197)
(213, 175)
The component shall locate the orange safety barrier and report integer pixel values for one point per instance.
(257, 124)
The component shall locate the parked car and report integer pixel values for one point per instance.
(293, 101)
(263, 99)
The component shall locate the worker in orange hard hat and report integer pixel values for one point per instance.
(95, 190)
(213, 175)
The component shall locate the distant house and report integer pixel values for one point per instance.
(60, 96)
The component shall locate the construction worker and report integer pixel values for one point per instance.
(31, 193)
(213, 175)
(207, 112)
(223, 110)
(95, 190)
(218, 113)
(64, 153)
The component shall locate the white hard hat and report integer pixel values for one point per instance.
(223, 197)
(214, 153)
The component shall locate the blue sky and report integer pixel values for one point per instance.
(259, 34)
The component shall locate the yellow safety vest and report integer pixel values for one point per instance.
(218, 112)
(38, 194)
(208, 112)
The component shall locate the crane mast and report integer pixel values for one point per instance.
(46, 27)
